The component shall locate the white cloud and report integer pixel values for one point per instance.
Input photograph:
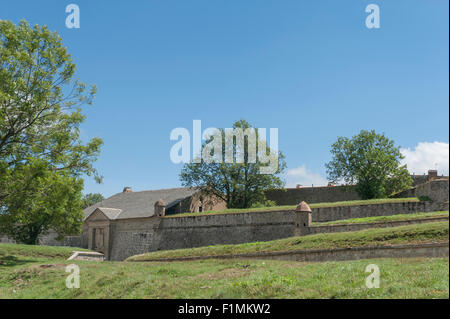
(301, 175)
(427, 156)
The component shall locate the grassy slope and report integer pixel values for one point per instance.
(427, 232)
(25, 277)
(22, 274)
(291, 207)
(36, 251)
(375, 219)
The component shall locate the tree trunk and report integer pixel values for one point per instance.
(31, 238)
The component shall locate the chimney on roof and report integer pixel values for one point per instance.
(127, 189)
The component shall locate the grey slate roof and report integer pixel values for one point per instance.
(111, 213)
(139, 204)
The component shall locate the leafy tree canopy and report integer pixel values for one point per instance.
(370, 161)
(91, 199)
(41, 199)
(240, 185)
(40, 115)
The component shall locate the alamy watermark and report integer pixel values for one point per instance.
(373, 19)
(73, 280)
(73, 19)
(373, 280)
(226, 146)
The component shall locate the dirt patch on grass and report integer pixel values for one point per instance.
(24, 277)
(46, 266)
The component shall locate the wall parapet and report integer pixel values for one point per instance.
(359, 226)
(325, 214)
(137, 237)
(320, 194)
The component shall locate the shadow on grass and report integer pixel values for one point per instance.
(11, 261)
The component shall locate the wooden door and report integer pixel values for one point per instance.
(99, 239)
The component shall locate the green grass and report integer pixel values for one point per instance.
(437, 231)
(44, 277)
(36, 251)
(39, 271)
(291, 207)
(399, 217)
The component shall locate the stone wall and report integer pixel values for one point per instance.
(6, 240)
(354, 253)
(436, 190)
(325, 194)
(133, 236)
(293, 196)
(360, 226)
(326, 214)
(420, 179)
(225, 229)
(196, 203)
(137, 236)
(50, 240)
(72, 241)
(434, 250)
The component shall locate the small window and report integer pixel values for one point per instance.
(200, 209)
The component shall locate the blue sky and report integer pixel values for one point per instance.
(309, 68)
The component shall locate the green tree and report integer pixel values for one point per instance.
(240, 185)
(370, 161)
(91, 199)
(40, 115)
(41, 199)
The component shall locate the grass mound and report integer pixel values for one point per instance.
(39, 272)
(230, 279)
(375, 219)
(417, 233)
(36, 251)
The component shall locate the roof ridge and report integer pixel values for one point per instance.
(142, 203)
(154, 190)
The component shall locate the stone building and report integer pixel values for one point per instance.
(132, 210)
(141, 204)
(119, 233)
(131, 223)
